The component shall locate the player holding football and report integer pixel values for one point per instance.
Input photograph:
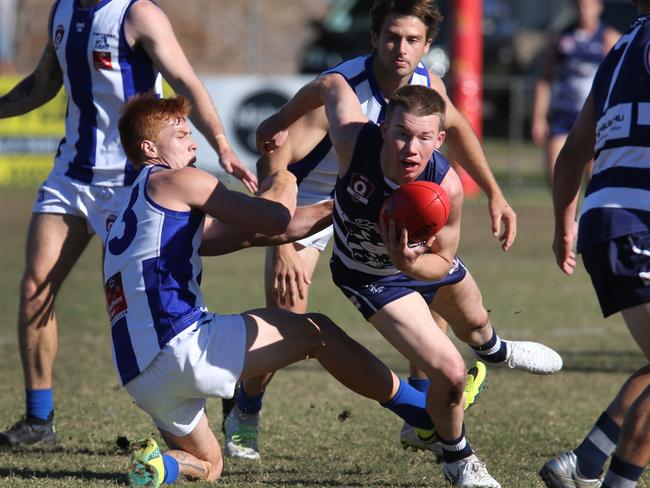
(401, 33)
(102, 53)
(168, 351)
(392, 283)
(613, 128)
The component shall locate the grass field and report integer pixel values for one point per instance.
(518, 424)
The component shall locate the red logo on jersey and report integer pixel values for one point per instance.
(115, 298)
(102, 60)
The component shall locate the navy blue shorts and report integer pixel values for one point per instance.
(560, 123)
(371, 295)
(620, 272)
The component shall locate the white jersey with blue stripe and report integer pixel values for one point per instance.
(100, 72)
(617, 199)
(152, 272)
(316, 173)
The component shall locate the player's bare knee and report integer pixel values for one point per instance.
(326, 329)
(215, 469)
(474, 327)
(36, 301)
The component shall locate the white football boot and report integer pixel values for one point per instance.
(469, 473)
(562, 472)
(241, 435)
(532, 357)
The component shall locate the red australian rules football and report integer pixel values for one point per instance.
(420, 206)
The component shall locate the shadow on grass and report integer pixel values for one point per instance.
(61, 449)
(25, 473)
(602, 361)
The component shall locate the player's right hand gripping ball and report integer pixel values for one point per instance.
(420, 206)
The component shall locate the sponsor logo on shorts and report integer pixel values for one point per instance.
(374, 289)
(115, 298)
(360, 188)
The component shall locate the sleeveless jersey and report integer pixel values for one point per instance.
(100, 72)
(358, 197)
(578, 56)
(316, 173)
(152, 272)
(617, 198)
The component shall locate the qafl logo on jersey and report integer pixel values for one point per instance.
(58, 36)
(360, 188)
(80, 26)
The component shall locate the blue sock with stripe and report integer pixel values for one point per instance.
(493, 351)
(39, 403)
(622, 474)
(249, 404)
(420, 384)
(599, 444)
(455, 449)
(171, 469)
(409, 404)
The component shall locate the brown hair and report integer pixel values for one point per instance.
(425, 10)
(417, 100)
(144, 116)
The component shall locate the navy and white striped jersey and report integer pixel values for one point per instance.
(316, 173)
(578, 56)
(152, 272)
(617, 199)
(100, 72)
(358, 197)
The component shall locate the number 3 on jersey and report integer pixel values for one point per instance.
(117, 245)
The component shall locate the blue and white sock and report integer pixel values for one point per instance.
(599, 444)
(39, 403)
(455, 449)
(622, 474)
(171, 469)
(409, 404)
(249, 404)
(493, 351)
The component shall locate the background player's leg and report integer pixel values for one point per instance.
(54, 243)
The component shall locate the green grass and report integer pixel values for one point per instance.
(518, 424)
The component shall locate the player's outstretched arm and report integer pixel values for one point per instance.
(578, 150)
(220, 238)
(36, 89)
(148, 27)
(463, 146)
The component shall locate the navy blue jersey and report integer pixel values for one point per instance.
(617, 199)
(359, 195)
(578, 56)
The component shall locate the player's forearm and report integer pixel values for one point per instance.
(465, 148)
(542, 99)
(204, 114)
(566, 185)
(26, 96)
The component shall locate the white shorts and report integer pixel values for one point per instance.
(319, 240)
(98, 205)
(205, 360)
